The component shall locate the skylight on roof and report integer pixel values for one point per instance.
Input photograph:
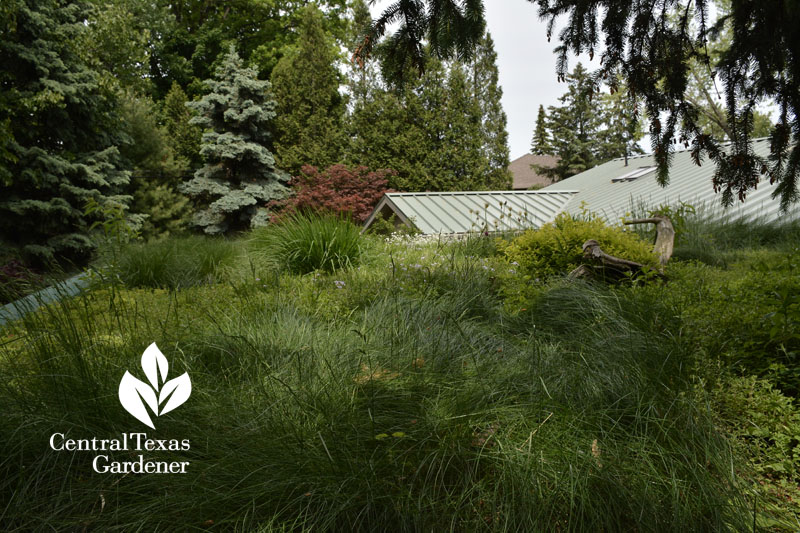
(634, 174)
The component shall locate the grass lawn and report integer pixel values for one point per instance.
(414, 386)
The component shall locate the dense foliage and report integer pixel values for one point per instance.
(309, 110)
(239, 176)
(483, 75)
(109, 100)
(159, 43)
(59, 144)
(340, 190)
(157, 168)
(442, 130)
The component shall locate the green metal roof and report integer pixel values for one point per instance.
(464, 212)
(613, 189)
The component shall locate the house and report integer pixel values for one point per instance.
(611, 190)
(524, 177)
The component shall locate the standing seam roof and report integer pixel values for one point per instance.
(464, 212)
(688, 183)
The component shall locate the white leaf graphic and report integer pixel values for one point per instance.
(131, 393)
(153, 363)
(182, 386)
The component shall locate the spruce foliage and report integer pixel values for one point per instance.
(239, 176)
(58, 124)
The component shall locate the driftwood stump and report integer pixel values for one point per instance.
(665, 236)
(615, 268)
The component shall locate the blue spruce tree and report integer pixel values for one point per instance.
(58, 127)
(239, 177)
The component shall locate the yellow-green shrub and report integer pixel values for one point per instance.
(556, 247)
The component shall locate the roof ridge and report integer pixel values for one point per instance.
(451, 193)
(725, 144)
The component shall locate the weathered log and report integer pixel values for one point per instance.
(617, 268)
(665, 236)
(606, 265)
(582, 272)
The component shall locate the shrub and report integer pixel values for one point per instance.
(764, 426)
(304, 243)
(16, 280)
(168, 212)
(175, 263)
(747, 315)
(239, 175)
(556, 247)
(339, 190)
(387, 227)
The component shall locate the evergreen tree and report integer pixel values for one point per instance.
(385, 131)
(457, 160)
(573, 127)
(156, 171)
(440, 131)
(60, 139)
(621, 127)
(540, 145)
(239, 176)
(182, 135)
(488, 93)
(310, 109)
(588, 128)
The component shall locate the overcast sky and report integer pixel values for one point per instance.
(526, 63)
(527, 67)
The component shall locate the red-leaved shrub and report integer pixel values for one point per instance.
(337, 189)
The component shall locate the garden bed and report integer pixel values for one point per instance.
(409, 391)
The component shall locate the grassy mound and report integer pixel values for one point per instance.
(304, 243)
(400, 395)
(175, 263)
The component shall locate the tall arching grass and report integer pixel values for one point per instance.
(303, 243)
